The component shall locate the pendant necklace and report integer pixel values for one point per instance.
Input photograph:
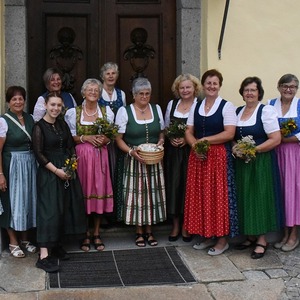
(141, 110)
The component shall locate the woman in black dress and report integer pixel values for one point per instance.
(186, 89)
(60, 206)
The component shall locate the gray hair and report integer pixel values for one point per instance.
(48, 75)
(140, 84)
(107, 66)
(287, 78)
(88, 82)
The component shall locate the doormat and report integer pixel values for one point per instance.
(150, 266)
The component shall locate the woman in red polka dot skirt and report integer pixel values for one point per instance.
(210, 206)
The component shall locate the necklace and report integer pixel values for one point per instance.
(89, 115)
(141, 110)
(20, 118)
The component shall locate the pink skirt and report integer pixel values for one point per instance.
(94, 175)
(288, 155)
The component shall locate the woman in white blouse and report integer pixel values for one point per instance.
(258, 184)
(186, 89)
(287, 106)
(140, 187)
(93, 164)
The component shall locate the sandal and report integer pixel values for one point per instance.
(16, 251)
(98, 246)
(256, 255)
(246, 244)
(86, 244)
(140, 240)
(28, 246)
(150, 239)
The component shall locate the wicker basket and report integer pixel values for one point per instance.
(151, 153)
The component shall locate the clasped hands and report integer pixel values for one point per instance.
(97, 141)
(178, 142)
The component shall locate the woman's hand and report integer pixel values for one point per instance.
(178, 142)
(95, 140)
(62, 174)
(135, 153)
(3, 185)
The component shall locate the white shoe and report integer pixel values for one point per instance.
(213, 251)
(287, 247)
(204, 245)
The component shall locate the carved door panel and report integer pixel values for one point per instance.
(64, 34)
(78, 36)
(147, 27)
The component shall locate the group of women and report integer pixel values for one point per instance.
(210, 194)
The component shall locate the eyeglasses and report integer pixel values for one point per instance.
(285, 87)
(250, 91)
(146, 94)
(96, 91)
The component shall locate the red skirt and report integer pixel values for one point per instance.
(206, 204)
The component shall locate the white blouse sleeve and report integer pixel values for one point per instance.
(270, 119)
(110, 114)
(229, 114)
(70, 118)
(161, 118)
(3, 127)
(190, 120)
(122, 119)
(74, 102)
(167, 114)
(123, 98)
(39, 109)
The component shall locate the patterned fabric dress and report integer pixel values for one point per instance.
(60, 210)
(93, 171)
(210, 205)
(141, 188)
(19, 167)
(258, 184)
(175, 166)
(288, 155)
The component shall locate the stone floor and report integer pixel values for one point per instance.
(232, 275)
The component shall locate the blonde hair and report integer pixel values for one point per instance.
(184, 77)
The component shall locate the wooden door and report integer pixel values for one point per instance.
(81, 35)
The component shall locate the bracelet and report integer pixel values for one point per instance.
(129, 152)
(81, 139)
(55, 171)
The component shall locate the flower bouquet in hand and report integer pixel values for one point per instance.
(175, 130)
(245, 149)
(110, 130)
(201, 148)
(287, 127)
(70, 168)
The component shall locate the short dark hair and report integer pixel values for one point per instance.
(287, 78)
(14, 90)
(256, 80)
(211, 73)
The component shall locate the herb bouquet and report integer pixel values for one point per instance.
(175, 130)
(245, 149)
(110, 130)
(287, 127)
(70, 168)
(201, 148)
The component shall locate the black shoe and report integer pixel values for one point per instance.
(187, 239)
(47, 265)
(60, 253)
(256, 255)
(173, 238)
(246, 244)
